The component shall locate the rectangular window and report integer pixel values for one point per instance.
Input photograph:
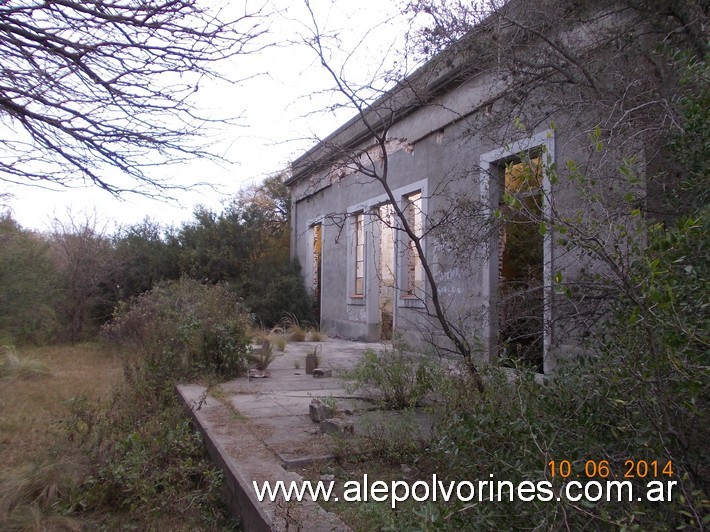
(415, 220)
(359, 239)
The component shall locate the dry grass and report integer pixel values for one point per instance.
(14, 366)
(315, 335)
(279, 341)
(38, 465)
(261, 357)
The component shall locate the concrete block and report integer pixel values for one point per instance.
(337, 425)
(319, 411)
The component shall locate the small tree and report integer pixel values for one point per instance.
(85, 260)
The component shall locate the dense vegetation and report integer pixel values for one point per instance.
(183, 298)
(64, 285)
(178, 305)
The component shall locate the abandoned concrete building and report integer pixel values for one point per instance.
(457, 189)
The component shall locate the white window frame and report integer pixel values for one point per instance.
(491, 162)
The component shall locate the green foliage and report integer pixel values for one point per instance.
(401, 380)
(587, 414)
(146, 463)
(140, 469)
(692, 144)
(274, 293)
(148, 459)
(28, 285)
(146, 255)
(665, 361)
(247, 245)
(645, 395)
(184, 328)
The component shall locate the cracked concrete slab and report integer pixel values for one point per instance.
(261, 428)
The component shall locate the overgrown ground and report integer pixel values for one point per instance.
(40, 466)
(32, 408)
(595, 416)
(58, 474)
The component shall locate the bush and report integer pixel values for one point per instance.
(402, 380)
(147, 464)
(183, 329)
(644, 396)
(28, 286)
(146, 458)
(274, 292)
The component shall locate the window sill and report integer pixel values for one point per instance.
(356, 300)
(411, 302)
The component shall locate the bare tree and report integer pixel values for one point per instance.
(85, 261)
(86, 86)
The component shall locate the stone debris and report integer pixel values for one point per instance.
(258, 374)
(319, 411)
(337, 425)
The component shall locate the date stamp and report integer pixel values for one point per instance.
(630, 469)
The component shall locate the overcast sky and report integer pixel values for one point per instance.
(281, 111)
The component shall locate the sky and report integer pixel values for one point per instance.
(282, 111)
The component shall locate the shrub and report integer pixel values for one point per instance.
(402, 380)
(182, 329)
(146, 463)
(147, 460)
(644, 396)
(28, 285)
(274, 292)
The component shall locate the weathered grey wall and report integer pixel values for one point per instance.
(441, 146)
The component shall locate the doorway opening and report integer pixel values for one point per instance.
(521, 263)
(317, 271)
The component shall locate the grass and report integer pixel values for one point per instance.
(279, 341)
(49, 479)
(262, 357)
(39, 466)
(31, 411)
(315, 335)
(14, 366)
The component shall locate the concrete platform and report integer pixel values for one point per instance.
(260, 428)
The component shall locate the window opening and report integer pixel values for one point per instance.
(415, 271)
(359, 254)
(386, 269)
